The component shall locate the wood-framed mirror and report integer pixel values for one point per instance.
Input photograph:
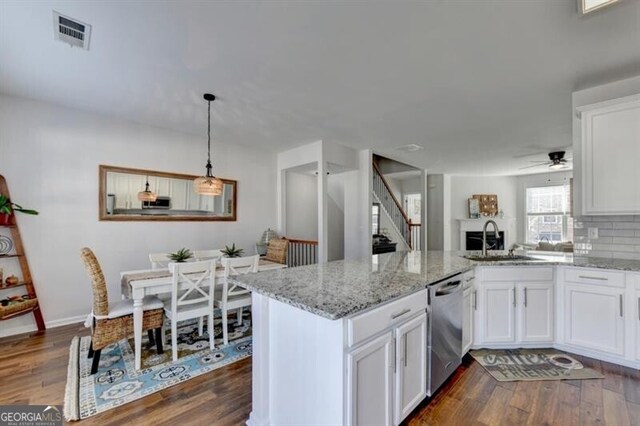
(176, 200)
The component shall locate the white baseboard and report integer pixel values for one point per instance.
(253, 421)
(18, 330)
(50, 324)
(597, 355)
(65, 321)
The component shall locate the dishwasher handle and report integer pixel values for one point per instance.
(449, 288)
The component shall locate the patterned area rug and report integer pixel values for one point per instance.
(117, 382)
(532, 364)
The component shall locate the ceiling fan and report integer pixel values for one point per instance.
(556, 161)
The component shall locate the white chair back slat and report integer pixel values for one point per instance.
(238, 266)
(159, 260)
(192, 283)
(192, 296)
(207, 254)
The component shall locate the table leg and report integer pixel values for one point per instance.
(137, 330)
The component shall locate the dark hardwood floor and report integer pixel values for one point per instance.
(34, 371)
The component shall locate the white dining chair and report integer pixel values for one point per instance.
(207, 254)
(233, 296)
(159, 260)
(192, 290)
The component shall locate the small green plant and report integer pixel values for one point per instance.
(7, 207)
(232, 251)
(181, 255)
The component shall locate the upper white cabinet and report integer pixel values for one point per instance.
(610, 157)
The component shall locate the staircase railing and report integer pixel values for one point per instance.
(302, 252)
(409, 232)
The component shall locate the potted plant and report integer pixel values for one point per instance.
(181, 255)
(232, 251)
(7, 208)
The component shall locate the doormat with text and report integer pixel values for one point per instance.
(511, 365)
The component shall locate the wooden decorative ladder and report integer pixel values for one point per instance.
(22, 306)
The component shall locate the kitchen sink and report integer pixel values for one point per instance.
(498, 257)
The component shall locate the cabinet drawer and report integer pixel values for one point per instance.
(369, 323)
(594, 276)
(518, 274)
(468, 278)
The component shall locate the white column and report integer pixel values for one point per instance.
(260, 361)
(323, 234)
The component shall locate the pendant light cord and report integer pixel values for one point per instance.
(209, 140)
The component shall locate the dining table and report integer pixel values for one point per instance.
(137, 284)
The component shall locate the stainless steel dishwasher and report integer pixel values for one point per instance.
(445, 331)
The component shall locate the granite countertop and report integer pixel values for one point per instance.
(342, 288)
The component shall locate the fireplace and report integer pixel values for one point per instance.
(474, 241)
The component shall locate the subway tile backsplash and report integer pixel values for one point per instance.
(618, 237)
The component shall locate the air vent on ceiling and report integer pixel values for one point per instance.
(71, 31)
(409, 148)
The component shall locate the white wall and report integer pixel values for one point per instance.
(435, 212)
(357, 208)
(463, 187)
(50, 156)
(301, 206)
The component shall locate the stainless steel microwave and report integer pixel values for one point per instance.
(161, 202)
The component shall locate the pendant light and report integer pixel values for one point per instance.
(208, 184)
(147, 195)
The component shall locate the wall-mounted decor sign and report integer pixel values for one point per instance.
(488, 204)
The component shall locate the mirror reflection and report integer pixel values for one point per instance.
(175, 198)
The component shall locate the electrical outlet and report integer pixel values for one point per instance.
(593, 233)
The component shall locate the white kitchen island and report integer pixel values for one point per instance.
(344, 342)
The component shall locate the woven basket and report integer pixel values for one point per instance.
(15, 307)
(108, 331)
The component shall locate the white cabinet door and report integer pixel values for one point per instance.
(610, 155)
(370, 382)
(535, 313)
(497, 304)
(467, 319)
(411, 366)
(594, 317)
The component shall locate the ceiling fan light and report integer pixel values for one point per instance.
(208, 185)
(557, 166)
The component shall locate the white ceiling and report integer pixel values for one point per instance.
(479, 84)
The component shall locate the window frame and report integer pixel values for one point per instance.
(564, 215)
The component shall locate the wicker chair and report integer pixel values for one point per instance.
(277, 250)
(113, 323)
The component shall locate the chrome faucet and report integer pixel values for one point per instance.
(484, 235)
